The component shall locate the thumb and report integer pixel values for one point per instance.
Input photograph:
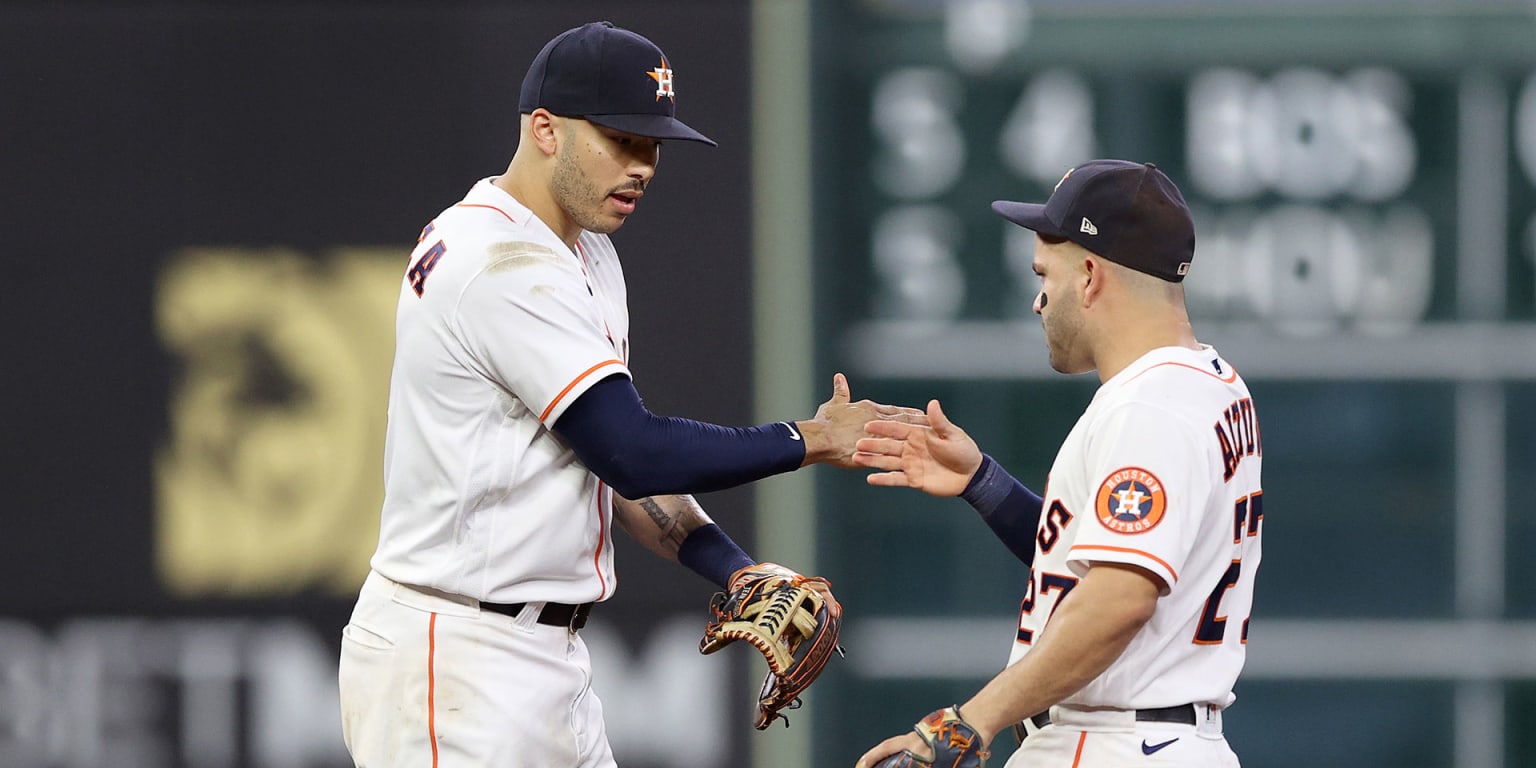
(840, 394)
(936, 419)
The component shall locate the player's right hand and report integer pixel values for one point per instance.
(839, 424)
(938, 459)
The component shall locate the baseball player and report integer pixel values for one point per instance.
(1145, 542)
(516, 439)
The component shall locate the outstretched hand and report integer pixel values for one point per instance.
(840, 423)
(938, 458)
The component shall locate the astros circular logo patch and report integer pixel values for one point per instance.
(1131, 500)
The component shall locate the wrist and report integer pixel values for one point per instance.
(813, 436)
(710, 553)
(974, 715)
(988, 485)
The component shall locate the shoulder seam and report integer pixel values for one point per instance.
(1229, 379)
(491, 207)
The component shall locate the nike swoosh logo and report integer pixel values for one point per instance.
(794, 434)
(1147, 750)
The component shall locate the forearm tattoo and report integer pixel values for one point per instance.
(669, 527)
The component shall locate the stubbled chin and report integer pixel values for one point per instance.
(606, 224)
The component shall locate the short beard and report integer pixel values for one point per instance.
(1063, 339)
(576, 194)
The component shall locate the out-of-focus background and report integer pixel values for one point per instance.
(208, 207)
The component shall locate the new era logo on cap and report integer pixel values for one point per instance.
(609, 76)
(1129, 213)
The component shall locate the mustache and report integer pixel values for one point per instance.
(633, 186)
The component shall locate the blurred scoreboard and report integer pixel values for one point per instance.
(1356, 171)
(1363, 182)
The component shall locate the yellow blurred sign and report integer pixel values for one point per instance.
(270, 479)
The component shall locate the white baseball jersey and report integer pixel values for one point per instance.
(1162, 472)
(500, 327)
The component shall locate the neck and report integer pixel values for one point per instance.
(1139, 331)
(528, 182)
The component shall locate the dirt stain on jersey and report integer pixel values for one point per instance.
(505, 257)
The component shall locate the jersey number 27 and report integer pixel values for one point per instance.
(1247, 514)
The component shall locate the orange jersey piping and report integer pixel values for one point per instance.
(597, 563)
(1148, 555)
(492, 207)
(1228, 379)
(574, 382)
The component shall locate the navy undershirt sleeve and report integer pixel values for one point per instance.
(639, 454)
(1010, 509)
(710, 553)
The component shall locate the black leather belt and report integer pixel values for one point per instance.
(1183, 713)
(573, 617)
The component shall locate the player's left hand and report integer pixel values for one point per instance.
(891, 752)
(831, 435)
(939, 459)
(793, 620)
(942, 738)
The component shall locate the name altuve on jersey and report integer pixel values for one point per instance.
(1238, 433)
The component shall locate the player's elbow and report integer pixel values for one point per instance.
(1140, 611)
(1127, 592)
(627, 474)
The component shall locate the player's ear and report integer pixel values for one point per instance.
(1093, 276)
(544, 130)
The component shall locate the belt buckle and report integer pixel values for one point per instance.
(579, 617)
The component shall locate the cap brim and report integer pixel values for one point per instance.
(652, 126)
(1028, 216)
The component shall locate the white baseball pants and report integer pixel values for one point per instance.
(430, 680)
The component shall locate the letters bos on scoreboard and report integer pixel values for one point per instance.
(1353, 170)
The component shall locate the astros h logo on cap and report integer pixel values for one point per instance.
(663, 77)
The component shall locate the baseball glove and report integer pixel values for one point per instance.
(792, 620)
(954, 742)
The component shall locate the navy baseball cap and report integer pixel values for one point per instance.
(609, 76)
(1129, 213)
